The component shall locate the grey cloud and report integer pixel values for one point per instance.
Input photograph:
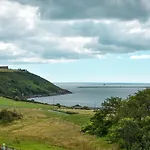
(92, 9)
(50, 50)
(73, 39)
(7, 56)
(111, 38)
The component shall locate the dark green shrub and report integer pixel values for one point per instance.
(16, 98)
(7, 116)
(85, 108)
(58, 105)
(71, 113)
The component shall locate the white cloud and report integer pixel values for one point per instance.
(140, 57)
(16, 20)
(40, 60)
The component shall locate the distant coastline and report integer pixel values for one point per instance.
(115, 86)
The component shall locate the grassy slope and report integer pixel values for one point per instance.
(43, 129)
(23, 83)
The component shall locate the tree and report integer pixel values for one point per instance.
(99, 124)
(126, 122)
(127, 133)
(58, 105)
(111, 105)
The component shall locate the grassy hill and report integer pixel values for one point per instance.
(22, 84)
(42, 128)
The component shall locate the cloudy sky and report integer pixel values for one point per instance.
(77, 40)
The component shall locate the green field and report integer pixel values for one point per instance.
(8, 103)
(41, 128)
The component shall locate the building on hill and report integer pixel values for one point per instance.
(22, 70)
(3, 67)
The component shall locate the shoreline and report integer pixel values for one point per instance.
(45, 95)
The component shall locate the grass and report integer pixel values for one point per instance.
(80, 111)
(27, 145)
(78, 119)
(4, 102)
(8, 70)
(37, 146)
(48, 130)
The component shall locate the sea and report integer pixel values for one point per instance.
(92, 94)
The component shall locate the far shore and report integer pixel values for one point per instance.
(111, 86)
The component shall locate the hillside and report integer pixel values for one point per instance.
(41, 128)
(23, 84)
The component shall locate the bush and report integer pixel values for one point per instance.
(85, 108)
(16, 98)
(71, 113)
(88, 128)
(58, 105)
(7, 116)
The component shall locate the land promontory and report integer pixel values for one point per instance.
(21, 84)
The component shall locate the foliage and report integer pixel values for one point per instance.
(7, 116)
(127, 133)
(22, 84)
(85, 108)
(99, 124)
(58, 105)
(126, 122)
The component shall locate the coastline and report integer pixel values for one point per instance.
(64, 92)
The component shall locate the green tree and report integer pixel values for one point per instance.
(111, 105)
(58, 105)
(126, 122)
(99, 124)
(145, 124)
(127, 132)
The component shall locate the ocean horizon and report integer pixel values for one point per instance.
(94, 95)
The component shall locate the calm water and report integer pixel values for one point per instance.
(91, 96)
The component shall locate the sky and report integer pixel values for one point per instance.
(77, 40)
